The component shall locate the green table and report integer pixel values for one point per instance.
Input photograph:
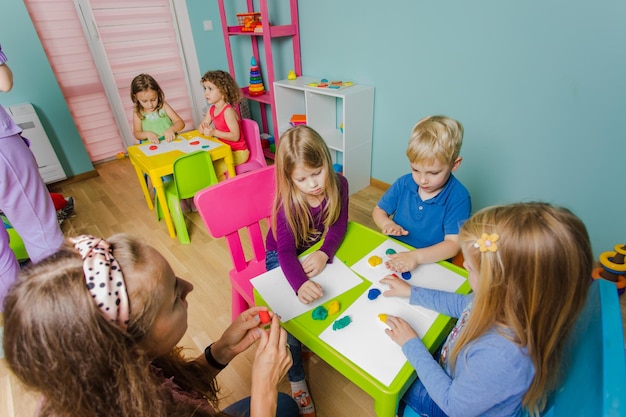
(359, 241)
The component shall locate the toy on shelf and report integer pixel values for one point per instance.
(613, 267)
(297, 119)
(250, 22)
(256, 87)
(291, 75)
(336, 85)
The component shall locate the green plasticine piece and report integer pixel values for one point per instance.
(320, 313)
(390, 251)
(341, 323)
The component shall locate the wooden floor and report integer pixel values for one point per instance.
(113, 203)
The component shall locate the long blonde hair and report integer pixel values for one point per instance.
(533, 286)
(303, 145)
(58, 343)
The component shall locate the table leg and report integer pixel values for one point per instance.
(386, 405)
(144, 187)
(160, 193)
(230, 164)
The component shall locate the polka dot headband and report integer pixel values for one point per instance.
(104, 278)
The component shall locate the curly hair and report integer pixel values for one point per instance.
(58, 343)
(225, 83)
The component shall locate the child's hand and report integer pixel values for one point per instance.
(403, 261)
(207, 129)
(315, 263)
(399, 330)
(394, 229)
(152, 137)
(397, 287)
(309, 292)
(169, 135)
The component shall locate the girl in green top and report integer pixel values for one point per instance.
(153, 118)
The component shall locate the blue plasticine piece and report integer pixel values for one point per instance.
(406, 275)
(373, 293)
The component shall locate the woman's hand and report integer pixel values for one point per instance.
(239, 336)
(397, 287)
(314, 263)
(399, 330)
(271, 363)
(309, 292)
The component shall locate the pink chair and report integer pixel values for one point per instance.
(238, 203)
(252, 137)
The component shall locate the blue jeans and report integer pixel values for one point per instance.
(285, 407)
(296, 372)
(420, 403)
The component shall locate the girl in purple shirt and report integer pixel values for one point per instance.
(311, 204)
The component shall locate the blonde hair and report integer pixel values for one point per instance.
(225, 83)
(303, 145)
(435, 138)
(145, 82)
(57, 342)
(532, 288)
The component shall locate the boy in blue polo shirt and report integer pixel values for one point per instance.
(426, 208)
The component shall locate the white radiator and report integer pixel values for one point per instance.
(25, 116)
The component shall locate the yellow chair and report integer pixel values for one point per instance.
(192, 173)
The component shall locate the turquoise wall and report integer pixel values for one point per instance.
(34, 82)
(539, 86)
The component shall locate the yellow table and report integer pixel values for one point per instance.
(360, 241)
(157, 166)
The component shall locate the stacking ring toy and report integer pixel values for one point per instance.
(606, 259)
(621, 280)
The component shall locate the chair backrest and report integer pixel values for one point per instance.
(594, 363)
(193, 172)
(238, 203)
(252, 137)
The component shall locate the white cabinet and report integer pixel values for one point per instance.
(50, 168)
(326, 110)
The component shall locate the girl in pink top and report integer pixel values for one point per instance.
(222, 120)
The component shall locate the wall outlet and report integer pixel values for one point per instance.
(208, 25)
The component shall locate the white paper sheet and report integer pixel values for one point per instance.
(432, 276)
(364, 340)
(335, 279)
(179, 144)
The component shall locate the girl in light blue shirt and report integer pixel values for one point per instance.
(502, 357)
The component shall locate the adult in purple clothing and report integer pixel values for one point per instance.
(311, 204)
(24, 198)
